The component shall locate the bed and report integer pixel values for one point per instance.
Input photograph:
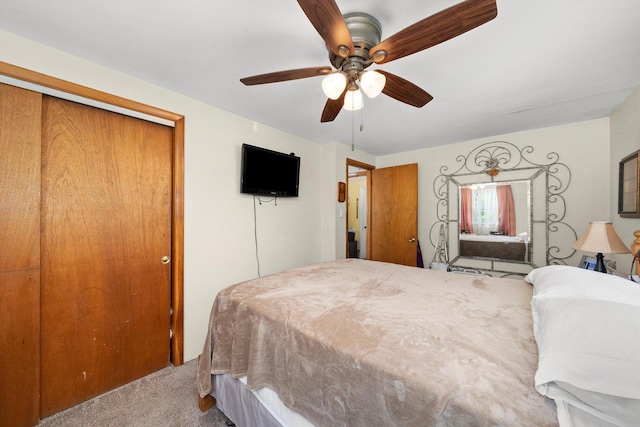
(512, 248)
(363, 343)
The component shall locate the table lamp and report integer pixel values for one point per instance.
(600, 237)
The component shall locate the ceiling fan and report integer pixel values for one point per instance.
(354, 44)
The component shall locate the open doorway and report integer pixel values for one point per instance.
(358, 211)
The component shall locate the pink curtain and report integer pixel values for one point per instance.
(466, 209)
(506, 210)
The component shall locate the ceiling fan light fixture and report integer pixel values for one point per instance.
(372, 83)
(333, 85)
(353, 100)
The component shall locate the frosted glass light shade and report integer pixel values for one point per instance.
(372, 83)
(353, 100)
(333, 85)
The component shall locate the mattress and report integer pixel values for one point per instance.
(249, 408)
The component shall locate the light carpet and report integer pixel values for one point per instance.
(168, 397)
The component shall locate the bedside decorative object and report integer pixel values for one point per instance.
(635, 250)
(600, 237)
(440, 259)
(629, 187)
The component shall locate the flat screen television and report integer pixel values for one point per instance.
(269, 173)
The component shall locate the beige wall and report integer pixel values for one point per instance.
(583, 147)
(625, 139)
(219, 222)
(592, 151)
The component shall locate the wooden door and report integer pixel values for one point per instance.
(394, 214)
(19, 255)
(106, 225)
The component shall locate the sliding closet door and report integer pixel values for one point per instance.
(106, 239)
(19, 255)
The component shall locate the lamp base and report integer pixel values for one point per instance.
(600, 263)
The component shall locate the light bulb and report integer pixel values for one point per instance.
(333, 85)
(372, 83)
(353, 100)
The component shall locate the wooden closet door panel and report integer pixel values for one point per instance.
(19, 348)
(19, 255)
(20, 124)
(106, 225)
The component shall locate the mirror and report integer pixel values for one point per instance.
(494, 220)
(499, 210)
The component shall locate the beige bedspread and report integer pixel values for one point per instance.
(364, 343)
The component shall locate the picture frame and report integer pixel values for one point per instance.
(629, 186)
(589, 262)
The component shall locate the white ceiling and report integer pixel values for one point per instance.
(539, 63)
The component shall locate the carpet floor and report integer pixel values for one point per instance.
(168, 397)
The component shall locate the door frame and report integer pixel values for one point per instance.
(368, 168)
(177, 196)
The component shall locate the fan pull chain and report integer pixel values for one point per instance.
(353, 127)
(352, 130)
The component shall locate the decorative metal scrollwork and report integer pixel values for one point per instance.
(490, 162)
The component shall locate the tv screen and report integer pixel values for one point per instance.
(268, 172)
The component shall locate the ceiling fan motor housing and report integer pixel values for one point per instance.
(366, 32)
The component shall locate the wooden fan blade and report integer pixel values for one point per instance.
(332, 108)
(327, 19)
(435, 29)
(404, 91)
(281, 76)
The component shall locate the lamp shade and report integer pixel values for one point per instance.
(333, 85)
(372, 83)
(353, 100)
(601, 237)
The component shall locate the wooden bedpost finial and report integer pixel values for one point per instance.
(635, 250)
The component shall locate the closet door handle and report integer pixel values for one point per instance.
(165, 259)
(412, 239)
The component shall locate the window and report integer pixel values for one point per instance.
(485, 209)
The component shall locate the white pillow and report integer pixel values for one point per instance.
(566, 281)
(587, 326)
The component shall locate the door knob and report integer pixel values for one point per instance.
(165, 259)
(412, 239)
